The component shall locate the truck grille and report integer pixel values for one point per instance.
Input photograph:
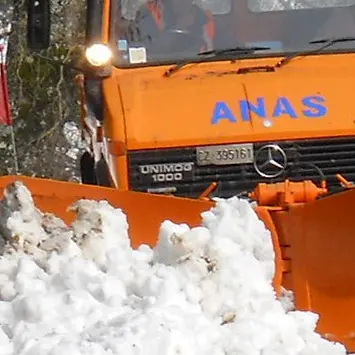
(331, 156)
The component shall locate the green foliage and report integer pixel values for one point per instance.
(44, 97)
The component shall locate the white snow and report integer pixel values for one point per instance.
(82, 290)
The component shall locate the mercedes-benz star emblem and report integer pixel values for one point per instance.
(270, 161)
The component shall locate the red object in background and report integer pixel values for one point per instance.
(5, 112)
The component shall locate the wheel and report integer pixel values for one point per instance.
(94, 174)
(87, 169)
(102, 173)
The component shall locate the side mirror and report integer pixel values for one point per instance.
(38, 24)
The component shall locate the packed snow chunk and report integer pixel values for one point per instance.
(5, 344)
(20, 221)
(99, 229)
(237, 222)
(26, 230)
(177, 242)
(287, 299)
(82, 289)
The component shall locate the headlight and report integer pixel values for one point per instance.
(98, 54)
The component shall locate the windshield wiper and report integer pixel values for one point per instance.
(234, 50)
(326, 43)
(215, 53)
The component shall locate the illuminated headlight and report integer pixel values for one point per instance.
(98, 54)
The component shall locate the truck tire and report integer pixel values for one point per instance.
(87, 169)
(102, 173)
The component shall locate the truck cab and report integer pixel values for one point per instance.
(234, 95)
(266, 97)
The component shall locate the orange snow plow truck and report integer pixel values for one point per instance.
(186, 100)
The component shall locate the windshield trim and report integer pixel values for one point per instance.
(228, 58)
(314, 8)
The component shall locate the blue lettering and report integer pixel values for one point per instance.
(314, 103)
(246, 108)
(222, 112)
(313, 107)
(283, 107)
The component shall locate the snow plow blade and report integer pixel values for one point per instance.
(313, 238)
(316, 245)
(144, 211)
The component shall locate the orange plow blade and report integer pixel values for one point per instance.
(317, 243)
(145, 212)
(314, 241)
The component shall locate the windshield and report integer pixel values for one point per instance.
(173, 30)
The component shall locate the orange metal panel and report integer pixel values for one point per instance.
(322, 251)
(152, 118)
(145, 212)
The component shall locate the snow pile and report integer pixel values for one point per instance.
(82, 290)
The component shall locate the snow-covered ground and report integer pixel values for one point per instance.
(82, 290)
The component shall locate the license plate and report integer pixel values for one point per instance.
(225, 154)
